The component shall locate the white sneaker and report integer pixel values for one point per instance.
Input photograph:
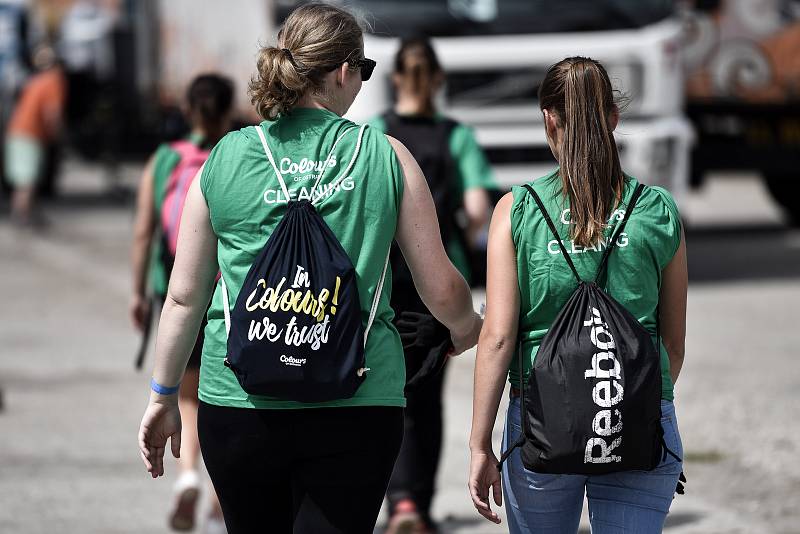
(214, 525)
(186, 491)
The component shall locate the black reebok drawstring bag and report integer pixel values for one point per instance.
(295, 330)
(592, 402)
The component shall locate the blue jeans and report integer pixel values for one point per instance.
(625, 502)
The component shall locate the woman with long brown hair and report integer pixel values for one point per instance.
(529, 282)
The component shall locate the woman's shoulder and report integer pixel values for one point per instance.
(658, 201)
(229, 141)
(523, 206)
(244, 135)
(657, 215)
(373, 131)
(163, 152)
(546, 187)
(230, 152)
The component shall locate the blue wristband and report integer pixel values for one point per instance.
(163, 390)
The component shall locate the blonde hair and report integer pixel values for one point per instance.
(315, 39)
(578, 91)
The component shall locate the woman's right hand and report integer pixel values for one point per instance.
(467, 339)
(139, 311)
(161, 421)
(483, 476)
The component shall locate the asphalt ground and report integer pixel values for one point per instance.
(72, 400)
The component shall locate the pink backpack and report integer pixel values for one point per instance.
(191, 159)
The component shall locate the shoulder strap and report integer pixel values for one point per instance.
(187, 149)
(268, 152)
(161, 179)
(554, 231)
(343, 175)
(324, 168)
(377, 298)
(619, 230)
(226, 305)
(523, 435)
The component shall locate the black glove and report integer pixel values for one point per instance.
(420, 330)
(426, 343)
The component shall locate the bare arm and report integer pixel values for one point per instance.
(672, 309)
(143, 228)
(476, 207)
(190, 287)
(498, 337)
(441, 287)
(495, 350)
(187, 297)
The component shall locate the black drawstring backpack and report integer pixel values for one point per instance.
(592, 402)
(295, 331)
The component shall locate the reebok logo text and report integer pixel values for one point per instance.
(606, 394)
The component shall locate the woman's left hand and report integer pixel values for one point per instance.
(483, 474)
(161, 420)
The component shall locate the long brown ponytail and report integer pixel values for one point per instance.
(578, 91)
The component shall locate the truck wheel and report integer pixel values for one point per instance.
(785, 190)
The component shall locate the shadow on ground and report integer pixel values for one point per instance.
(449, 525)
(743, 253)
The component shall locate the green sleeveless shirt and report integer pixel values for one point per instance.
(647, 245)
(246, 202)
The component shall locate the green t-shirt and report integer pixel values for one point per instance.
(246, 203)
(164, 162)
(650, 240)
(472, 170)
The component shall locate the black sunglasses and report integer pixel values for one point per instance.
(366, 66)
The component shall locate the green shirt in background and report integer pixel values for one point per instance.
(472, 170)
(246, 203)
(164, 162)
(647, 245)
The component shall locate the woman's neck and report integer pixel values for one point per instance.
(414, 106)
(309, 101)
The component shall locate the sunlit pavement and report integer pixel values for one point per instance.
(68, 456)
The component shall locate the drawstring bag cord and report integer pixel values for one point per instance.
(679, 487)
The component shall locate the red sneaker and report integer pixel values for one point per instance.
(404, 519)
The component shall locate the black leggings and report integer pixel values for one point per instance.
(322, 470)
(414, 475)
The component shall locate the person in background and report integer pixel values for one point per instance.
(528, 284)
(35, 123)
(162, 191)
(458, 176)
(281, 465)
(14, 54)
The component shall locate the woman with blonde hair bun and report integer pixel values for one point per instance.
(297, 214)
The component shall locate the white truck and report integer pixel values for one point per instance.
(496, 52)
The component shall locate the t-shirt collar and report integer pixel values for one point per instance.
(312, 114)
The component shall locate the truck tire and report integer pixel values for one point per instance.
(785, 190)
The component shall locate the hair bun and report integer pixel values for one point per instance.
(313, 37)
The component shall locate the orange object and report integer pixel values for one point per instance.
(39, 110)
